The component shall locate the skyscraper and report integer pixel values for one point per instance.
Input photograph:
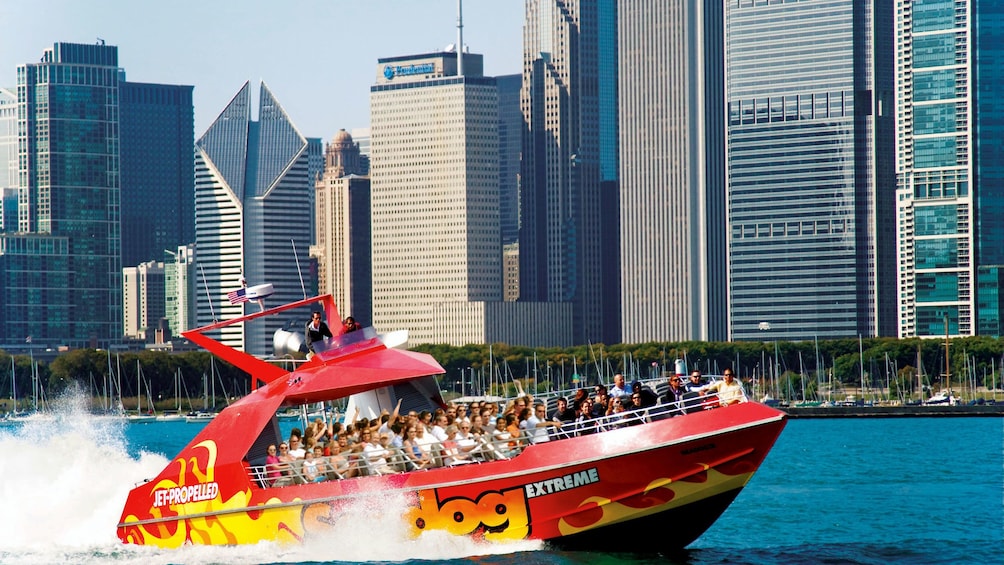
(343, 240)
(560, 205)
(950, 170)
(672, 186)
(253, 185)
(60, 273)
(8, 161)
(143, 294)
(510, 146)
(434, 178)
(158, 185)
(810, 169)
(180, 288)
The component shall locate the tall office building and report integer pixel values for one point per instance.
(180, 288)
(8, 161)
(253, 207)
(434, 178)
(510, 147)
(60, 273)
(562, 223)
(811, 171)
(342, 245)
(672, 183)
(157, 126)
(950, 167)
(143, 299)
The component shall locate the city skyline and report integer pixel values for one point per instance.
(322, 98)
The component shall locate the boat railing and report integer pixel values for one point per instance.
(487, 448)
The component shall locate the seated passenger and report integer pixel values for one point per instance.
(729, 390)
(309, 469)
(536, 425)
(375, 454)
(674, 395)
(585, 424)
(416, 457)
(648, 397)
(501, 436)
(273, 467)
(338, 463)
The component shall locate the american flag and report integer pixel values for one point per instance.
(237, 296)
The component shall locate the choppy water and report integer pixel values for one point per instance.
(913, 490)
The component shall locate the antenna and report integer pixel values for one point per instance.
(297, 259)
(208, 296)
(460, 38)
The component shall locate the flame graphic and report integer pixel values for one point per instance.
(213, 524)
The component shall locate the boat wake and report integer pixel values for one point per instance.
(64, 480)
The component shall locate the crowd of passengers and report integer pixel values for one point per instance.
(463, 433)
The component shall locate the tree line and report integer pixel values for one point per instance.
(879, 363)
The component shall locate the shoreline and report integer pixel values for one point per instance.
(985, 410)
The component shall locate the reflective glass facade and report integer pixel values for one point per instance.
(157, 122)
(810, 178)
(950, 166)
(60, 272)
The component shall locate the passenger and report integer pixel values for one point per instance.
(637, 409)
(425, 418)
(674, 395)
(453, 451)
(580, 396)
(729, 390)
(461, 416)
(619, 388)
(285, 459)
(501, 436)
(694, 384)
(600, 403)
(309, 468)
(296, 450)
(478, 425)
(351, 325)
(315, 333)
(563, 413)
(417, 458)
(438, 429)
(273, 467)
(584, 422)
(339, 462)
(375, 454)
(512, 426)
(322, 464)
(648, 397)
(317, 431)
(535, 426)
(619, 415)
(425, 441)
(397, 434)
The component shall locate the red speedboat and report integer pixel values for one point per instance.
(664, 480)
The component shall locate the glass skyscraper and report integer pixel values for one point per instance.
(157, 127)
(562, 224)
(60, 272)
(950, 165)
(811, 178)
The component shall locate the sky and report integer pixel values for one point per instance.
(318, 57)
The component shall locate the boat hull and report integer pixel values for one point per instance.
(674, 475)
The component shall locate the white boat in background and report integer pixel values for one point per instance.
(199, 417)
(942, 399)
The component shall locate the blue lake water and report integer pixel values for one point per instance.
(910, 490)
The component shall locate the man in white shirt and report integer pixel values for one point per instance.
(438, 429)
(620, 388)
(536, 425)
